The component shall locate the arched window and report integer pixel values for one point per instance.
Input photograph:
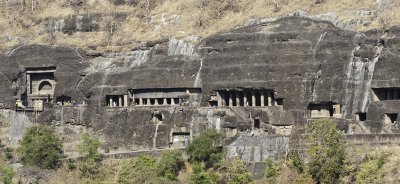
(45, 86)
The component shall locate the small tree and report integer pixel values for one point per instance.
(272, 171)
(202, 176)
(326, 148)
(40, 147)
(296, 161)
(6, 174)
(90, 163)
(371, 171)
(233, 171)
(138, 170)
(204, 148)
(170, 164)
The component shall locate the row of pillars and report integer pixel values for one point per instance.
(122, 101)
(238, 98)
(157, 101)
(392, 94)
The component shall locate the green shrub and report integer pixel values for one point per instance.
(6, 174)
(304, 178)
(202, 176)
(40, 147)
(326, 148)
(138, 170)
(371, 171)
(90, 162)
(71, 164)
(296, 161)
(204, 148)
(271, 169)
(233, 171)
(169, 165)
(88, 147)
(8, 153)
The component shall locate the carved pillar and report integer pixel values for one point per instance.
(262, 99)
(156, 102)
(165, 102)
(230, 99)
(245, 103)
(120, 101)
(28, 82)
(269, 98)
(125, 100)
(111, 102)
(253, 99)
(172, 101)
(389, 94)
(237, 98)
(219, 99)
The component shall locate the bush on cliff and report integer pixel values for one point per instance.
(296, 161)
(40, 147)
(90, 163)
(204, 148)
(138, 170)
(6, 174)
(169, 165)
(371, 170)
(201, 175)
(327, 152)
(233, 171)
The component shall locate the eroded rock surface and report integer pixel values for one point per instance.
(267, 80)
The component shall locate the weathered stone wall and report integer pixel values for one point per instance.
(302, 61)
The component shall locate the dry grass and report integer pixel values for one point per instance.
(108, 174)
(145, 23)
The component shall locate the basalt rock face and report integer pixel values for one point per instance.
(309, 66)
(303, 61)
(71, 68)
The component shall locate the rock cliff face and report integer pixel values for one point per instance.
(264, 80)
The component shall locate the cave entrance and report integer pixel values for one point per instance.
(64, 100)
(157, 116)
(390, 118)
(362, 116)
(257, 123)
(180, 139)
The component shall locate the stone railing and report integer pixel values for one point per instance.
(373, 138)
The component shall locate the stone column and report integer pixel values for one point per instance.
(237, 98)
(125, 100)
(111, 102)
(156, 102)
(28, 82)
(389, 94)
(172, 101)
(223, 102)
(244, 99)
(262, 99)
(230, 99)
(269, 98)
(120, 101)
(253, 99)
(140, 101)
(219, 100)
(165, 102)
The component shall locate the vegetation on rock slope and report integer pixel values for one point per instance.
(327, 162)
(124, 26)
